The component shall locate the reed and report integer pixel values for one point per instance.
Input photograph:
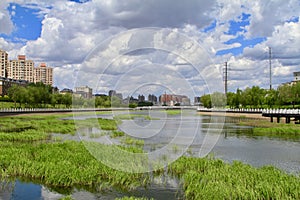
(213, 179)
(66, 164)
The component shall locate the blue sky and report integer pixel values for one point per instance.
(239, 34)
(27, 23)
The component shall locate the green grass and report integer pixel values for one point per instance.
(69, 164)
(66, 164)
(131, 141)
(173, 112)
(206, 178)
(132, 117)
(266, 128)
(40, 127)
(116, 134)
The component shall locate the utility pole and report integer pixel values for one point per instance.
(226, 77)
(270, 63)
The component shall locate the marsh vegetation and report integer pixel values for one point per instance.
(29, 152)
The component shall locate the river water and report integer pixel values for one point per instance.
(190, 134)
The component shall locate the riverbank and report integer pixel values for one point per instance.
(238, 115)
(261, 125)
(67, 165)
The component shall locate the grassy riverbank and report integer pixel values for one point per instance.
(62, 166)
(65, 165)
(262, 125)
(265, 128)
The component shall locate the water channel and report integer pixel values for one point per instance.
(193, 135)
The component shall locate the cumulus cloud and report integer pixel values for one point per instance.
(5, 21)
(72, 32)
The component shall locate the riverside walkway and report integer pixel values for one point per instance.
(288, 114)
(16, 111)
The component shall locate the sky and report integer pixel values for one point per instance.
(156, 46)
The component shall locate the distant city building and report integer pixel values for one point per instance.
(43, 74)
(66, 91)
(197, 101)
(21, 69)
(296, 79)
(6, 83)
(152, 98)
(84, 92)
(3, 63)
(296, 76)
(141, 98)
(171, 100)
(113, 93)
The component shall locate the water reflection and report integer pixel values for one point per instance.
(166, 189)
(234, 143)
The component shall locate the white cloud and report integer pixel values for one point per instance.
(71, 31)
(6, 24)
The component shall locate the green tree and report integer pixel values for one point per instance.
(231, 99)
(271, 98)
(206, 101)
(66, 99)
(296, 94)
(116, 101)
(218, 99)
(14, 93)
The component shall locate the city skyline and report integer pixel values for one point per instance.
(236, 32)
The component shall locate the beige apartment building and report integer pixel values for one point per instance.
(43, 74)
(3, 63)
(21, 69)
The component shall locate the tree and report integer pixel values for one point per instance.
(14, 93)
(67, 100)
(271, 98)
(285, 94)
(218, 99)
(231, 99)
(206, 101)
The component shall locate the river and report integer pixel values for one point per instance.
(193, 135)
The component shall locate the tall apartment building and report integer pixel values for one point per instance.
(43, 74)
(21, 69)
(3, 63)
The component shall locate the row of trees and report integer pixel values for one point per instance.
(39, 95)
(284, 96)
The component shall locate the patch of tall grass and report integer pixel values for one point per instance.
(66, 164)
(204, 178)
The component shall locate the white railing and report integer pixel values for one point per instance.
(254, 110)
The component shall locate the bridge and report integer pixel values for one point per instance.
(288, 114)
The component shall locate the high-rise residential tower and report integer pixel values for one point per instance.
(21, 69)
(43, 74)
(3, 63)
